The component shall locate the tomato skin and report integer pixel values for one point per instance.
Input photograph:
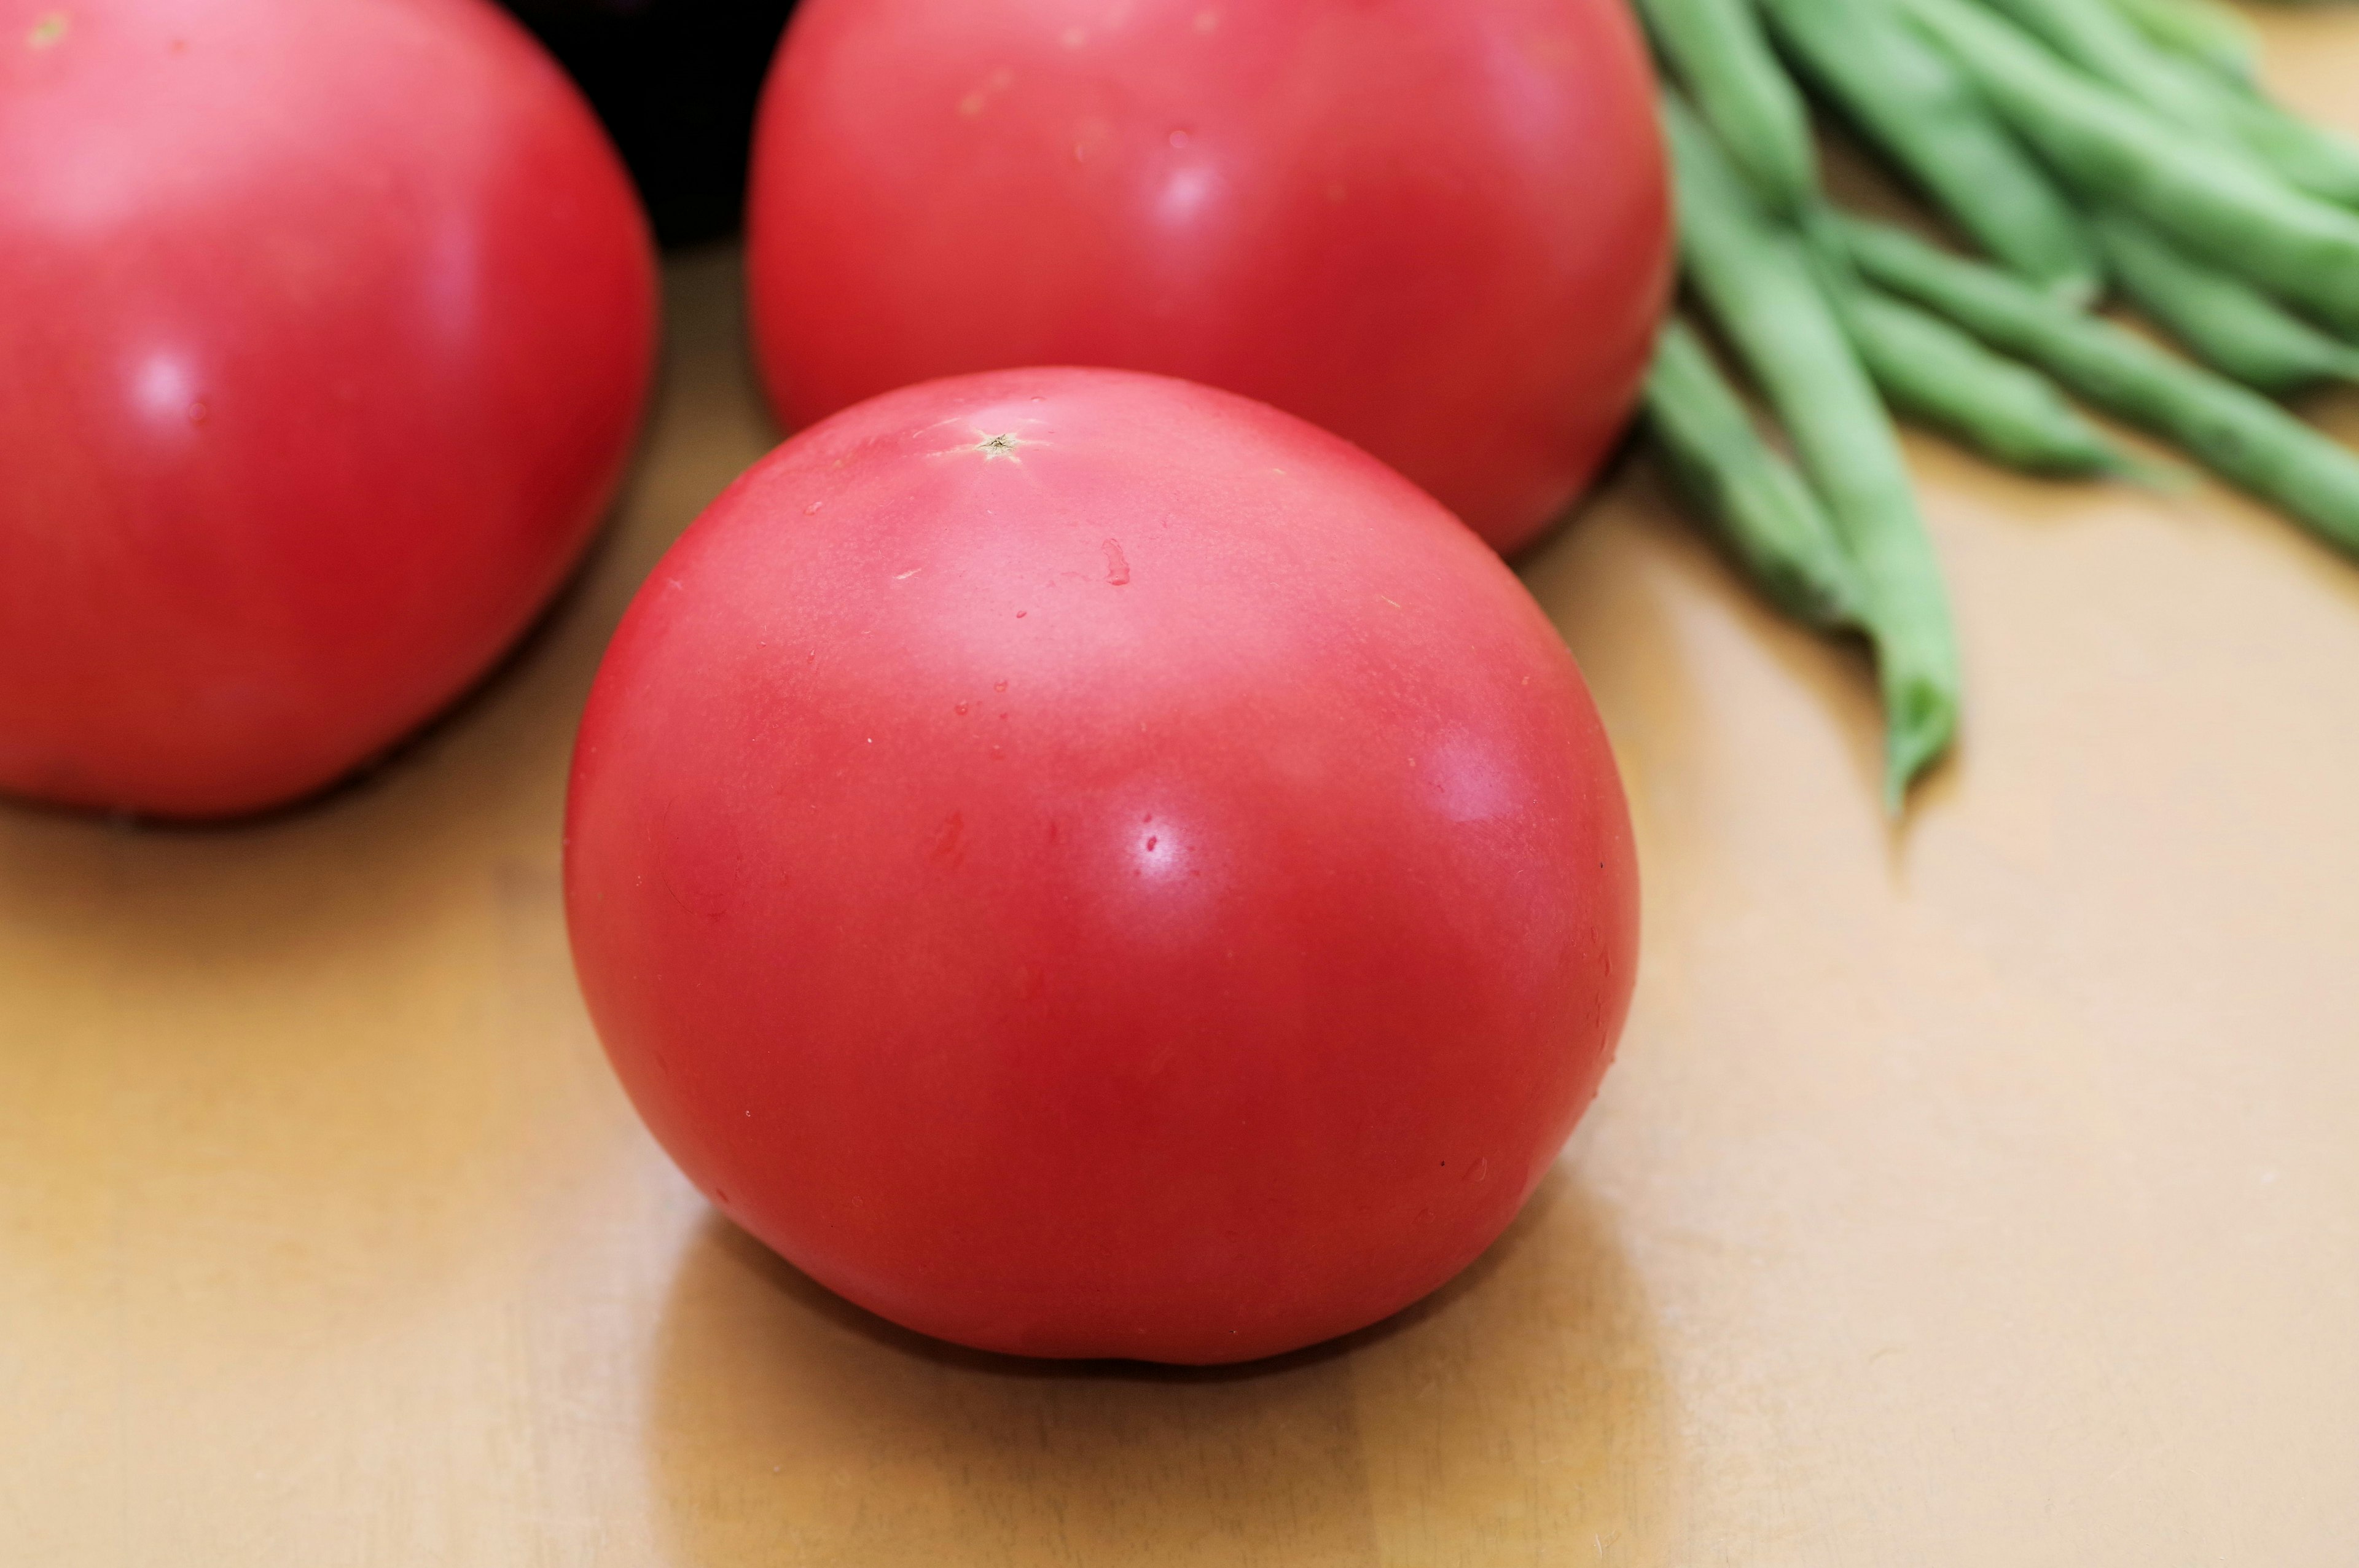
(325, 331)
(1160, 890)
(1438, 228)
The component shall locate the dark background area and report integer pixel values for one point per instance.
(676, 82)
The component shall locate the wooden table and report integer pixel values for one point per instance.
(1982, 1192)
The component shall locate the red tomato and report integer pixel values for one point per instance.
(1085, 864)
(1436, 227)
(323, 332)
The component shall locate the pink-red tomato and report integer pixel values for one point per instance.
(323, 332)
(1436, 227)
(1085, 864)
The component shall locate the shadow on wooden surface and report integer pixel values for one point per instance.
(787, 1425)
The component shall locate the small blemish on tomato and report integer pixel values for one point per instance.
(1118, 566)
(49, 31)
(946, 843)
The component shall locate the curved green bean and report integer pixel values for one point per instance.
(1717, 50)
(1758, 282)
(2223, 320)
(2239, 434)
(2295, 245)
(1751, 498)
(1939, 376)
(2097, 38)
(1911, 103)
(2204, 31)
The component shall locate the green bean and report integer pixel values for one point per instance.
(2316, 158)
(1759, 283)
(2223, 320)
(1716, 48)
(2295, 245)
(2204, 31)
(1751, 498)
(1939, 376)
(2095, 37)
(2239, 435)
(1911, 103)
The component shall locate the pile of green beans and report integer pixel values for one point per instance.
(2092, 151)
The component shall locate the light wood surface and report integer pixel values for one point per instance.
(1984, 1193)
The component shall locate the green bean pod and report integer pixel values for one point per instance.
(1717, 50)
(2202, 31)
(2095, 35)
(1907, 100)
(1939, 376)
(2297, 246)
(2237, 434)
(1758, 282)
(2223, 320)
(1749, 496)
(2316, 158)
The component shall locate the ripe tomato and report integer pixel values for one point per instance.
(323, 332)
(1085, 864)
(1436, 227)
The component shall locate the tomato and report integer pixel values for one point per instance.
(1436, 227)
(1085, 864)
(323, 332)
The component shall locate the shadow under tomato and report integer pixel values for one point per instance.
(1515, 1415)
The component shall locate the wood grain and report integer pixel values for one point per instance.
(1981, 1192)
